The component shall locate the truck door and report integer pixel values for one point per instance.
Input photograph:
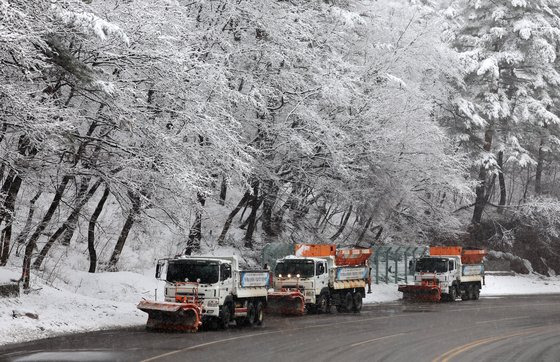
(322, 276)
(452, 270)
(225, 281)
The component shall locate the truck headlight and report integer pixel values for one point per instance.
(213, 303)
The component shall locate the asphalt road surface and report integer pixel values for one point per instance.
(491, 329)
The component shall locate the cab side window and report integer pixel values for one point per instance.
(320, 269)
(225, 272)
(451, 265)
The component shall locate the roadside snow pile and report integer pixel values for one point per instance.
(520, 284)
(8, 275)
(78, 303)
(381, 293)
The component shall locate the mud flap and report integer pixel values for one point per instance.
(421, 293)
(181, 317)
(286, 303)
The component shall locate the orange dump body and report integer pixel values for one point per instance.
(353, 256)
(346, 257)
(314, 250)
(467, 256)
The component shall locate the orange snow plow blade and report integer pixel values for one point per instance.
(421, 293)
(286, 303)
(180, 317)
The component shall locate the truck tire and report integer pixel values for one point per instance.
(476, 293)
(323, 303)
(251, 313)
(467, 293)
(348, 302)
(452, 294)
(259, 314)
(357, 302)
(311, 308)
(225, 316)
(471, 291)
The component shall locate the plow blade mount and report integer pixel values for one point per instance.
(286, 303)
(180, 317)
(421, 293)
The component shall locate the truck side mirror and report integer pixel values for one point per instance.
(159, 268)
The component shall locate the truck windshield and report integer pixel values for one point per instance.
(191, 270)
(431, 265)
(305, 268)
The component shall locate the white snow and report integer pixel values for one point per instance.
(78, 303)
(520, 285)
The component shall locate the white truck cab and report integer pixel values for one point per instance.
(452, 276)
(224, 291)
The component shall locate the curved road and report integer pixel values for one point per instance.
(491, 329)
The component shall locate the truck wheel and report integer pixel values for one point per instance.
(357, 305)
(348, 302)
(476, 293)
(225, 316)
(452, 294)
(311, 308)
(259, 314)
(251, 312)
(467, 293)
(471, 291)
(323, 303)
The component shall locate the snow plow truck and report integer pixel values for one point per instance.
(448, 273)
(318, 277)
(206, 290)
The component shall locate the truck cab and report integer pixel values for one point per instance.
(210, 281)
(444, 271)
(223, 291)
(309, 275)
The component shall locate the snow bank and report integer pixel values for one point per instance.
(520, 284)
(496, 285)
(79, 302)
(381, 293)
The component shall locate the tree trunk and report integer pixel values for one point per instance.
(270, 193)
(343, 224)
(27, 228)
(365, 229)
(480, 202)
(5, 191)
(9, 208)
(135, 210)
(91, 230)
(538, 174)
(81, 200)
(502, 181)
(69, 223)
(231, 215)
(39, 230)
(195, 234)
(252, 220)
(223, 191)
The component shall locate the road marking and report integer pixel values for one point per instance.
(460, 349)
(376, 339)
(502, 319)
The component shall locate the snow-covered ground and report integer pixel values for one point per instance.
(79, 302)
